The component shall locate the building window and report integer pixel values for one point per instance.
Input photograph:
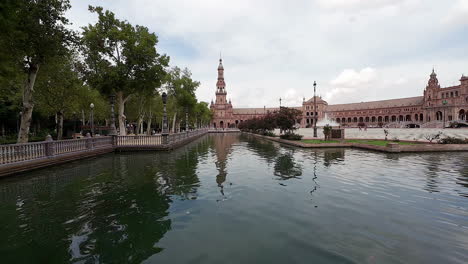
(456, 93)
(451, 94)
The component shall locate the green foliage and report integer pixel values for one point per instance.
(268, 134)
(453, 140)
(286, 119)
(34, 31)
(115, 58)
(327, 129)
(291, 136)
(119, 57)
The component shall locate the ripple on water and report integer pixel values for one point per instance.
(237, 199)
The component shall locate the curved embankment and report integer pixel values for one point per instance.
(390, 147)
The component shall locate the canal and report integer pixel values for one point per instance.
(239, 199)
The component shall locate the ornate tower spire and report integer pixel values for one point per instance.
(220, 85)
(433, 81)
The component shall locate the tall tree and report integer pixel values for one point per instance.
(58, 90)
(35, 32)
(121, 59)
(181, 92)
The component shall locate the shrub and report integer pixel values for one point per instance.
(291, 136)
(395, 139)
(432, 137)
(386, 132)
(268, 134)
(327, 131)
(454, 124)
(453, 140)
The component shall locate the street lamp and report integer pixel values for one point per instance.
(315, 111)
(74, 123)
(444, 103)
(92, 118)
(280, 102)
(113, 130)
(18, 121)
(186, 119)
(164, 128)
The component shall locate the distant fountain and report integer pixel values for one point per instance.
(326, 121)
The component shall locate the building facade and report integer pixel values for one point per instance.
(437, 106)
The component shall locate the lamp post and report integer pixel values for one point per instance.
(164, 128)
(186, 119)
(18, 121)
(280, 102)
(113, 130)
(444, 103)
(92, 118)
(315, 113)
(74, 123)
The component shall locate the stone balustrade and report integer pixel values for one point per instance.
(20, 157)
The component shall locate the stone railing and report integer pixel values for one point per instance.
(222, 130)
(49, 148)
(18, 153)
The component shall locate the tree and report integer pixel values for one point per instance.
(34, 32)
(121, 59)
(286, 118)
(58, 89)
(181, 92)
(202, 114)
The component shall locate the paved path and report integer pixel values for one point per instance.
(400, 133)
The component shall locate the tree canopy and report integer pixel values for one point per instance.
(49, 72)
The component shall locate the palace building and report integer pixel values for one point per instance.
(436, 106)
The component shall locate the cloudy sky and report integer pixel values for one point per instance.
(356, 50)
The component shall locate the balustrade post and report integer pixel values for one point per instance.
(114, 140)
(165, 139)
(49, 146)
(89, 142)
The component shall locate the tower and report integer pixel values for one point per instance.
(221, 85)
(222, 108)
(431, 91)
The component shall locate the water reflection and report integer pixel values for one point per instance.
(333, 156)
(113, 209)
(153, 206)
(222, 146)
(286, 167)
(266, 149)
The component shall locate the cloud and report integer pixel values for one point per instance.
(357, 4)
(457, 15)
(278, 48)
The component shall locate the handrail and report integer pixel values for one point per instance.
(14, 153)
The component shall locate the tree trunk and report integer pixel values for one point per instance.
(139, 128)
(174, 123)
(59, 125)
(83, 121)
(121, 116)
(148, 127)
(28, 103)
(148, 123)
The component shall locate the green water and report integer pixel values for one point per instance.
(238, 199)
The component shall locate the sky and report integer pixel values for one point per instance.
(356, 50)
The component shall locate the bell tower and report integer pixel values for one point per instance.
(221, 108)
(431, 91)
(221, 85)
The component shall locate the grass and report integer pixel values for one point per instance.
(360, 141)
(377, 142)
(319, 141)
